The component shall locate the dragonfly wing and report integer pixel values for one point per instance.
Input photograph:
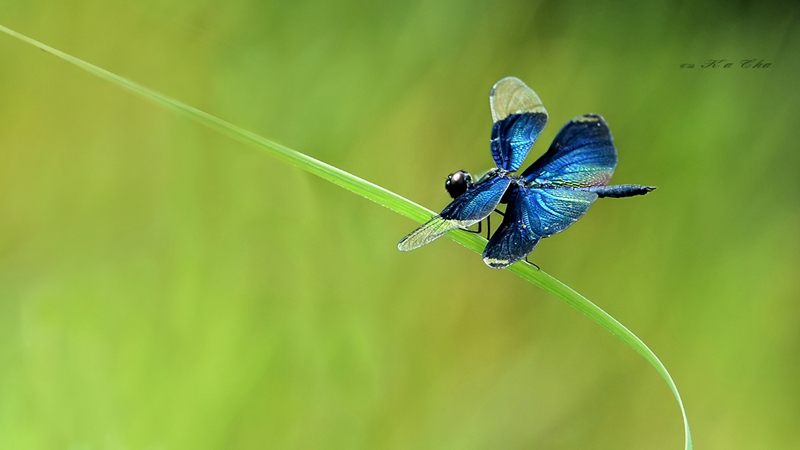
(429, 232)
(552, 211)
(477, 202)
(467, 209)
(531, 215)
(515, 238)
(581, 155)
(519, 117)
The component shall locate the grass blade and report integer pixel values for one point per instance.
(382, 197)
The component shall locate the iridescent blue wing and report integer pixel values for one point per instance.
(519, 117)
(531, 215)
(554, 210)
(513, 240)
(581, 155)
(467, 209)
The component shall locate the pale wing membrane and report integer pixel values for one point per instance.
(467, 209)
(519, 117)
(429, 232)
(511, 96)
(581, 155)
(514, 239)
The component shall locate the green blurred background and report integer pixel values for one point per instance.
(165, 287)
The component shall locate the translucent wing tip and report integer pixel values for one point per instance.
(499, 255)
(511, 96)
(595, 119)
(591, 117)
(504, 81)
(427, 233)
(495, 263)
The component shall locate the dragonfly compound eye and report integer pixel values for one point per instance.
(458, 183)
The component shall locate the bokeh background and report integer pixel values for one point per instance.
(165, 287)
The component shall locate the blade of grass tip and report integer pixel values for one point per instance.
(594, 312)
(382, 197)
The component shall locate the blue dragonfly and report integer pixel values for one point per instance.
(549, 196)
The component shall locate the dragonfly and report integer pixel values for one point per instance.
(549, 196)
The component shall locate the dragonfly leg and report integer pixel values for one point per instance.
(533, 264)
(478, 231)
(488, 226)
(499, 212)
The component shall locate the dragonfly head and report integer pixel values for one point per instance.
(458, 183)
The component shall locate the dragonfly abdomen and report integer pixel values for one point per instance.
(621, 190)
